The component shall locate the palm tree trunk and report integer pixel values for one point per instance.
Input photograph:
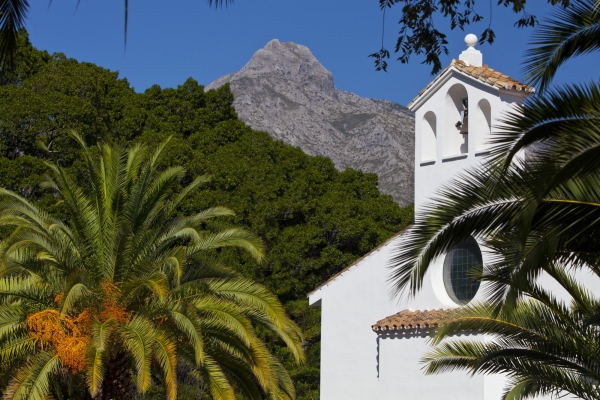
(118, 379)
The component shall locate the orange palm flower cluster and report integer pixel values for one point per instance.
(68, 335)
(111, 307)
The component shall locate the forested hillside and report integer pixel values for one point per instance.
(313, 219)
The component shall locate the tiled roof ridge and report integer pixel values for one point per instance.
(333, 277)
(408, 319)
(491, 76)
(483, 74)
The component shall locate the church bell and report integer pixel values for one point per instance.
(463, 124)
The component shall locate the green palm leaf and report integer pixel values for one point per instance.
(569, 32)
(12, 18)
(16, 346)
(95, 360)
(167, 358)
(33, 381)
(218, 384)
(188, 322)
(138, 337)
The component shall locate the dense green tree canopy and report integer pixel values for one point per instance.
(313, 219)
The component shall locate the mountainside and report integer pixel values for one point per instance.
(285, 91)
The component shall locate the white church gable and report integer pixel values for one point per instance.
(350, 303)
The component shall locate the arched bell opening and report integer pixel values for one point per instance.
(456, 121)
(483, 120)
(429, 137)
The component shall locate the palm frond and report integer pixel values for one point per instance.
(12, 18)
(233, 237)
(95, 359)
(16, 346)
(567, 33)
(185, 192)
(74, 295)
(188, 322)
(138, 337)
(33, 381)
(218, 384)
(252, 294)
(155, 283)
(165, 354)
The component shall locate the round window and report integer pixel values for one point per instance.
(463, 266)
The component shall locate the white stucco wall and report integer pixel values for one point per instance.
(401, 376)
(350, 305)
(355, 362)
(350, 357)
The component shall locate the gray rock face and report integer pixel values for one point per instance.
(286, 92)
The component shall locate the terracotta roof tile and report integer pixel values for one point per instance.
(407, 319)
(484, 74)
(491, 76)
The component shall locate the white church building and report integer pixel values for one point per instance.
(371, 342)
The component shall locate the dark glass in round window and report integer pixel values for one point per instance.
(463, 267)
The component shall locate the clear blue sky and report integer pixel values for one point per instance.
(169, 41)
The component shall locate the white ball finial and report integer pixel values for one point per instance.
(471, 40)
(471, 56)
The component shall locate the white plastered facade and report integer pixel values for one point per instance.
(358, 363)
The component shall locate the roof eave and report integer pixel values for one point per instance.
(439, 81)
(315, 297)
(418, 101)
(516, 92)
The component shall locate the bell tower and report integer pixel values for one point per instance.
(454, 117)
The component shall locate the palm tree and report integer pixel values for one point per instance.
(543, 346)
(125, 289)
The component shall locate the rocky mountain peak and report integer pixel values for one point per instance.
(286, 91)
(290, 61)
